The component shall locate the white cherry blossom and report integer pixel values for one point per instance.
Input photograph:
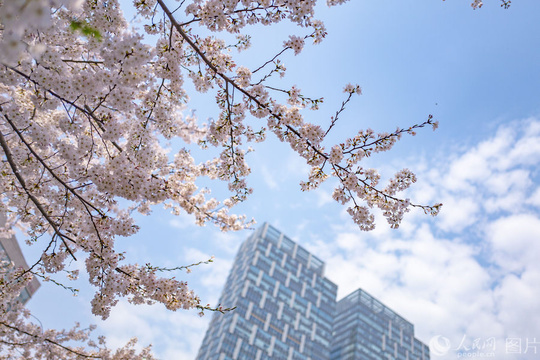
(87, 105)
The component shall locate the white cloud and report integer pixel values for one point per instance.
(181, 221)
(518, 305)
(514, 241)
(474, 272)
(534, 199)
(458, 213)
(469, 167)
(181, 340)
(269, 177)
(526, 149)
(502, 182)
(296, 166)
(324, 197)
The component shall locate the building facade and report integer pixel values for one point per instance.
(365, 329)
(286, 310)
(284, 304)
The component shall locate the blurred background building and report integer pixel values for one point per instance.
(284, 304)
(364, 328)
(286, 309)
(11, 251)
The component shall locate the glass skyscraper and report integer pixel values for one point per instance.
(286, 310)
(365, 329)
(284, 304)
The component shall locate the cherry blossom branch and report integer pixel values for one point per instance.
(317, 151)
(222, 75)
(341, 109)
(36, 202)
(89, 112)
(56, 177)
(85, 202)
(396, 134)
(55, 343)
(184, 267)
(85, 110)
(239, 11)
(73, 290)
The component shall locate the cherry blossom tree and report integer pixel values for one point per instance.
(87, 105)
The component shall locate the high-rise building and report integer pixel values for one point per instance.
(286, 310)
(284, 304)
(365, 329)
(11, 251)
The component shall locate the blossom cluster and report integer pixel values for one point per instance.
(24, 339)
(296, 43)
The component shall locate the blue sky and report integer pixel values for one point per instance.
(472, 272)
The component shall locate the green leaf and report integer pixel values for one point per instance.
(85, 29)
